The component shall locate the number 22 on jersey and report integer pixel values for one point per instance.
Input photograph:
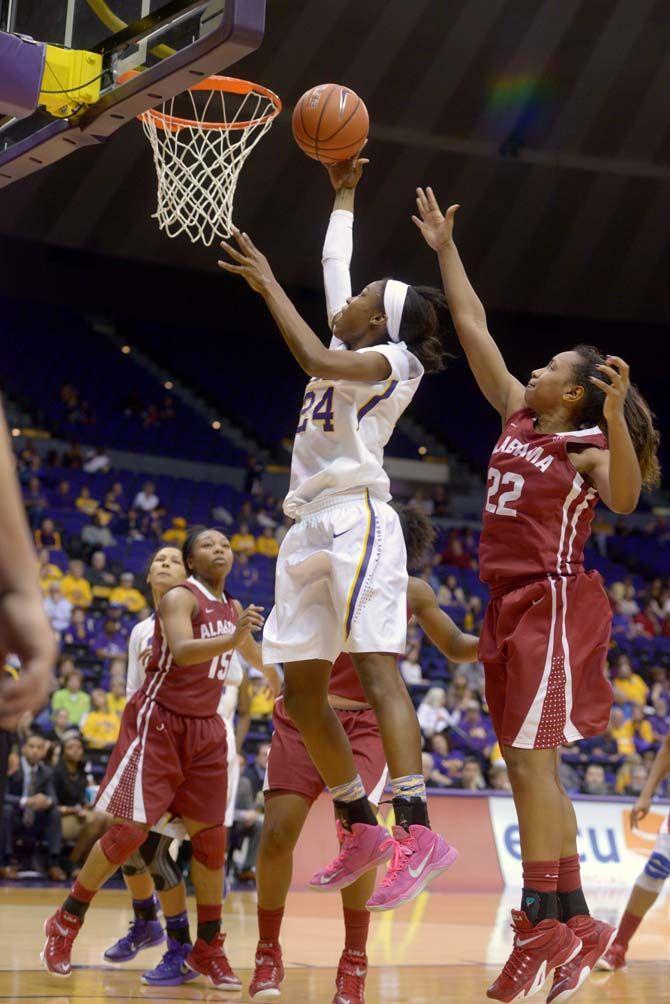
(321, 411)
(500, 506)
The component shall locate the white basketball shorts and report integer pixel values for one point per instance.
(341, 583)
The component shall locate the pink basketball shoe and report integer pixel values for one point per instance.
(419, 856)
(362, 848)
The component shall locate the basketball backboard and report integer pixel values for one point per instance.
(172, 42)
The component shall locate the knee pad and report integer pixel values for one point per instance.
(134, 865)
(209, 847)
(656, 871)
(155, 852)
(120, 840)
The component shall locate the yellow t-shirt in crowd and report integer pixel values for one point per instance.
(174, 535)
(77, 591)
(48, 574)
(634, 689)
(116, 704)
(267, 546)
(87, 506)
(100, 728)
(243, 543)
(131, 599)
(624, 738)
(261, 704)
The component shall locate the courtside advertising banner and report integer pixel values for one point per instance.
(611, 853)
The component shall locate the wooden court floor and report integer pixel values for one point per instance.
(441, 948)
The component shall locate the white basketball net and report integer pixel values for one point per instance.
(198, 167)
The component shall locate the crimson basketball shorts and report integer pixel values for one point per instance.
(290, 769)
(544, 648)
(164, 762)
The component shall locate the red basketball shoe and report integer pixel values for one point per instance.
(268, 972)
(596, 938)
(350, 979)
(61, 930)
(537, 950)
(614, 958)
(209, 959)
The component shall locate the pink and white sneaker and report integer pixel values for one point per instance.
(418, 857)
(362, 848)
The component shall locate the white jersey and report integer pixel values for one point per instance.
(345, 424)
(139, 650)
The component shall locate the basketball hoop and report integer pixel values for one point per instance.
(198, 159)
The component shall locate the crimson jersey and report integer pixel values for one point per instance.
(538, 509)
(344, 680)
(192, 691)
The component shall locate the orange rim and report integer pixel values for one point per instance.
(227, 85)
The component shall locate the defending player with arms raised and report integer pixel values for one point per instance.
(655, 873)
(292, 785)
(171, 754)
(341, 582)
(577, 432)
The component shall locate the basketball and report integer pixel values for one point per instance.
(330, 123)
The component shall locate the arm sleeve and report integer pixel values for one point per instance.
(336, 259)
(135, 672)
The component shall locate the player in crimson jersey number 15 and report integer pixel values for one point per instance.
(171, 754)
(577, 432)
(292, 785)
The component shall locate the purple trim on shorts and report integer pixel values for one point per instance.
(374, 401)
(372, 531)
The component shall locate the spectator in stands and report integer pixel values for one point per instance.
(659, 722)
(428, 575)
(80, 824)
(47, 536)
(658, 676)
(643, 734)
(432, 777)
(97, 532)
(243, 542)
(127, 595)
(75, 587)
(35, 501)
(269, 513)
(77, 633)
(248, 516)
(58, 609)
(266, 543)
(450, 594)
(147, 500)
(100, 727)
(595, 782)
(472, 622)
(261, 698)
(76, 702)
(85, 502)
(176, 532)
(410, 669)
(472, 778)
(30, 810)
(253, 479)
(255, 771)
(474, 733)
(622, 624)
(629, 604)
(63, 497)
(97, 460)
(66, 665)
(461, 691)
(499, 778)
(432, 713)
(48, 572)
(628, 686)
(72, 457)
(647, 622)
(110, 641)
(116, 698)
(622, 730)
(61, 727)
(102, 581)
(117, 671)
(636, 780)
(447, 763)
(454, 553)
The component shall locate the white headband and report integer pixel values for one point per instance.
(395, 295)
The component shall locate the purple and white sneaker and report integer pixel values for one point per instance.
(141, 934)
(419, 856)
(172, 970)
(362, 848)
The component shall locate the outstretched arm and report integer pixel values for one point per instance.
(496, 383)
(338, 245)
(615, 472)
(307, 349)
(439, 627)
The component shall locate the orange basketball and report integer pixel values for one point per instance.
(330, 123)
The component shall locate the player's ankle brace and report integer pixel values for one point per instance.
(358, 811)
(410, 811)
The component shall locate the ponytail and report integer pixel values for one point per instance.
(424, 326)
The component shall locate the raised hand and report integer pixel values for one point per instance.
(437, 227)
(347, 173)
(615, 392)
(250, 263)
(250, 620)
